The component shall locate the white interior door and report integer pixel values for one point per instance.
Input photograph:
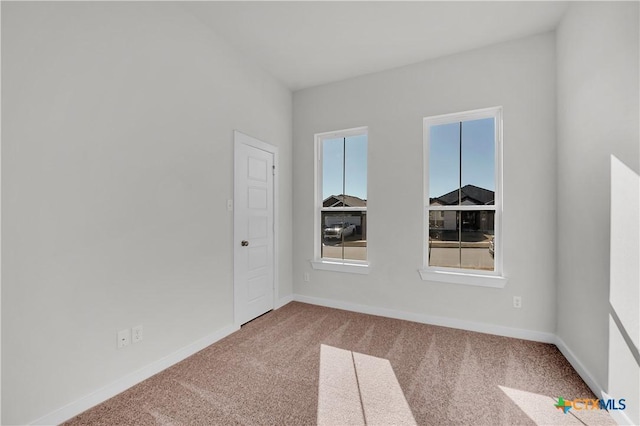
(253, 228)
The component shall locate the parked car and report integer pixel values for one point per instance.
(492, 246)
(339, 230)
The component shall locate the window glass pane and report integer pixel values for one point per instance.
(355, 177)
(462, 239)
(344, 235)
(332, 168)
(355, 245)
(436, 221)
(478, 162)
(477, 234)
(444, 164)
(444, 240)
(462, 172)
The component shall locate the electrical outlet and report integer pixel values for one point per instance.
(307, 277)
(124, 338)
(517, 302)
(136, 334)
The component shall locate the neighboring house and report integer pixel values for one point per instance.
(469, 195)
(471, 220)
(344, 201)
(355, 217)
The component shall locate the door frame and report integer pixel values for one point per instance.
(240, 138)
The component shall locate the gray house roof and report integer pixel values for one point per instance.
(344, 201)
(469, 194)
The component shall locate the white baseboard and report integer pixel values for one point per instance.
(73, 409)
(537, 336)
(579, 367)
(618, 416)
(283, 301)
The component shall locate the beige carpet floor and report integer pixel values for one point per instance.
(268, 374)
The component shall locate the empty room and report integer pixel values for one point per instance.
(332, 213)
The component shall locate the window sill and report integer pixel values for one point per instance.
(337, 266)
(478, 280)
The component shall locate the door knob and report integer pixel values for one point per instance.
(244, 243)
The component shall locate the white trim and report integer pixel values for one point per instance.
(498, 330)
(536, 336)
(317, 173)
(620, 417)
(474, 114)
(578, 366)
(73, 409)
(518, 333)
(343, 209)
(427, 122)
(244, 139)
(276, 224)
(338, 266)
(464, 207)
(355, 131)
(465, 278)
(283, 301)
(0, 232)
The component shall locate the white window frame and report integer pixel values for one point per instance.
(318, 262)
(466, 276)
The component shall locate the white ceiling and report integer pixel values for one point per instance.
(305, 44)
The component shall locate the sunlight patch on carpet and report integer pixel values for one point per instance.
(358, 389)
(543, 411)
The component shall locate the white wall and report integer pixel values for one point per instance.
(520, 76)
(117, 145)
(624, 289)
(597, 117)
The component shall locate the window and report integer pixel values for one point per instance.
(463, 165)
(341, 201)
